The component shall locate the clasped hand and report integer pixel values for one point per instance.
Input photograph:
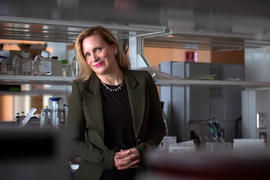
(127, 159)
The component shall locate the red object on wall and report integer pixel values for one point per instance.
(191, 56)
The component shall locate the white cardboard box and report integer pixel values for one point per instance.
(182, 147)
(166, 141)
(240, 144)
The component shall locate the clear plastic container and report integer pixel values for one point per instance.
(37, 65)
(17, 62)
(75, 67)
(16, 67)
(26, 63)
(46, 63)
(6, 59)
(3, 68)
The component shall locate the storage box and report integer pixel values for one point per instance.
(254, 144)
(218, 146)
(183, 147)
(164, 145)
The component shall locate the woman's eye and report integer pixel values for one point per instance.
(98, 49)
(87, 55)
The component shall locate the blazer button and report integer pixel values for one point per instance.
(139, 140)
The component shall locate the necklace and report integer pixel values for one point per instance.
(115, 89)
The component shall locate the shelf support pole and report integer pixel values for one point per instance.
(136, 51)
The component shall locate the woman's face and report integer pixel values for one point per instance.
(99, 55)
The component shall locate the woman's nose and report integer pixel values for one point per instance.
(94, 57)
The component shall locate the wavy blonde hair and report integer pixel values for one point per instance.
(84, 70)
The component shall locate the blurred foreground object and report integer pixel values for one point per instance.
(245, 162)
(34, 154)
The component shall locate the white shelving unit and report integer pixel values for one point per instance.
(51, 80)
(211, 83)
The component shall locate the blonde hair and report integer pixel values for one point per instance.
(84, 70)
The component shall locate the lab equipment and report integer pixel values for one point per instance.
(212, 130)
(4, 65)
(56, 66)
(75, 67)
(45, 120)
(3, 68)
(28, 116)
(37, 65)
(26, 63)
(207, 135)
(219, 132)
(55, 113)
(64, 67)
(46, 63)
(185, 105)
(64, 113)
(54, 118)
(17, 119)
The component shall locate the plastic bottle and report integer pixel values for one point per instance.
(26, 63)
(75, 67)
(3, 68)
(22, 117)
(65, 114)
(17, 119)
(56, 66)
(37, 65)
(64, 67)
(55, 113)
(46, 63)
(4, 60)
(17, 62)
(44, 117)
(16, 66)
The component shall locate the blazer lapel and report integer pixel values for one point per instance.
(136, 94)
(94, 103)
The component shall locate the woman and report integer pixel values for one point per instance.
(114, 113)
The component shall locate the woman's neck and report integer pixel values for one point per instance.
(114, 78)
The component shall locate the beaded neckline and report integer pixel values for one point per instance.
(115, 89)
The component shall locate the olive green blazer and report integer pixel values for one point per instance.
(85, 121)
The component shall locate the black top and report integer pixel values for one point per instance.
(118, 126)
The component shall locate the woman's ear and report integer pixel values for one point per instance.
(115, 49)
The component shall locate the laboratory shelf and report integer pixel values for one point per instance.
(35, 93)
(59, 80)
(51, 80)
(180, 82)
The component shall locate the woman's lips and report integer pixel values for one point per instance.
(99, 64)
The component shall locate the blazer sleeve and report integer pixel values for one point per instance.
(155, 124)
(76, 124)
